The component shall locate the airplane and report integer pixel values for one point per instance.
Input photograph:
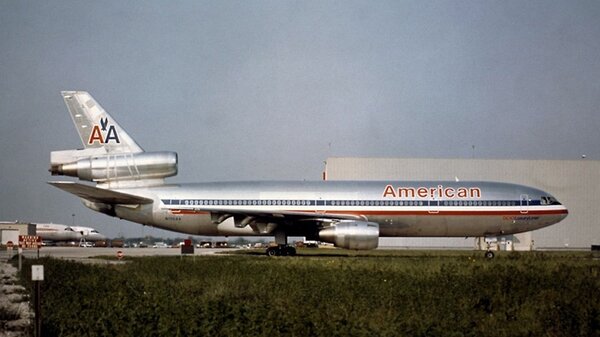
(89, 234)
(56, 232)
(130, 184)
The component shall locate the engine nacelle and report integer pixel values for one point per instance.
(352, 235)
(128, 166)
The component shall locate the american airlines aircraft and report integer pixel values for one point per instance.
(130, 184)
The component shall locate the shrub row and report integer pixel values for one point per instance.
(413, 295)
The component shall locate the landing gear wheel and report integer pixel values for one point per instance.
(489, 254)
(290, 251)
(282, 250)
(272, 251)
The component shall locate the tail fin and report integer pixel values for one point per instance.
(110, 157)
(96, 128)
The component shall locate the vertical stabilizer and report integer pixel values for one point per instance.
(110, 157)
(96, 128)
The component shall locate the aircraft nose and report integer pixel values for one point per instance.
(563, 212)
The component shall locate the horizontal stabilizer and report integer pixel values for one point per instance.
(95, 194)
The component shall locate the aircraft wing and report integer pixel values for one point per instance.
(303, 216)
(95, 194)
(250, 217)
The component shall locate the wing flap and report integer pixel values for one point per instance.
(95, 194)
(280, 215)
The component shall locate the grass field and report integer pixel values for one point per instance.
(326, 293)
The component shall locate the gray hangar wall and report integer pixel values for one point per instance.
(575, 183)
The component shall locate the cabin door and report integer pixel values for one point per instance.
(433, 205)
(524, 203)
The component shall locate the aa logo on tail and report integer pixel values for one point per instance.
(104, 133)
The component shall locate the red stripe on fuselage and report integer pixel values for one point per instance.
(187, 212)
(432, 212)
(436, 212)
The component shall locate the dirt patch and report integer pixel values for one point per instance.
(15, 312)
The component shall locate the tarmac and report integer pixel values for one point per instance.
(87, 254)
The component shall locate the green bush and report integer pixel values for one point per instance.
(389, 294)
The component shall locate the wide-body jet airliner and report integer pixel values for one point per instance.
(130, 184)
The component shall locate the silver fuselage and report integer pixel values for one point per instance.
(130, 184)
(417, 208)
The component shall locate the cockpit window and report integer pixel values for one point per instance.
(549, 201)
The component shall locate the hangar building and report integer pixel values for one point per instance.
(10, 231)
(575, 183)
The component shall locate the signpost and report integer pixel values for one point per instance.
(9, 249)
(187, 247)
(37, 275)
(29, 242)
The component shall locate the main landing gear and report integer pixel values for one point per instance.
(281, 250)
(489, 254)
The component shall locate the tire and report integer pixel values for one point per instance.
(271, 251)
(290, 251)
(489, 254)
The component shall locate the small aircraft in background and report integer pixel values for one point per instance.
(89, 234)
(57, 232)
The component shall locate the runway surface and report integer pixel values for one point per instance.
(83, 254)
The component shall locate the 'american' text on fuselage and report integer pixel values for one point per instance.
(439, 192)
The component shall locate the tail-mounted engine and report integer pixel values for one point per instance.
(352, 234)
(117, 167)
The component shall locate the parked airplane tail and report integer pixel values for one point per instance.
(110, 156)
(96, 128)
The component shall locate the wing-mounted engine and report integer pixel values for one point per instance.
(102, 168)
(352, 234)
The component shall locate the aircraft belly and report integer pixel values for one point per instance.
(197, 223)
(470, 226)
(194, 223)
(435, 225)
(411, 225)
(460, 226)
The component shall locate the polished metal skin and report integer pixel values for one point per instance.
(128, 166)
(352, 234)
(350, 214)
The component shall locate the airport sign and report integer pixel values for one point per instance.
(37, 272)
(30, 241)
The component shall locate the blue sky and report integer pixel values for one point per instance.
(267, 90)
